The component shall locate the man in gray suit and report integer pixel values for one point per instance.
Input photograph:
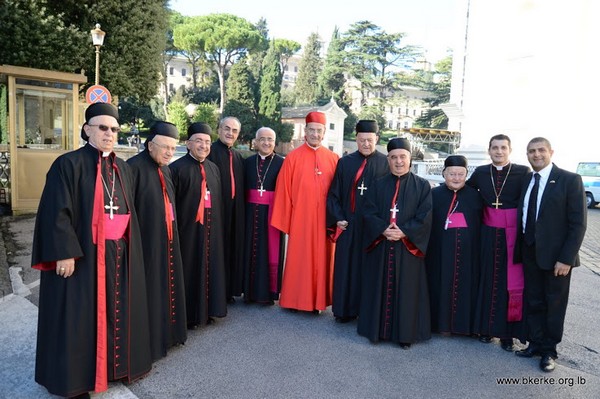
(553, 218)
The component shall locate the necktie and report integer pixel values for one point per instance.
(200, 213)
(532, 211)
(231, 175)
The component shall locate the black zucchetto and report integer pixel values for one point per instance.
(98, 109)
(456, 160)
(367, 126)
(398, 143)
(198, 127)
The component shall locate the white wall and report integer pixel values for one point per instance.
(529, 71)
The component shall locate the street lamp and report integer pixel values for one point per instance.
(98, 40)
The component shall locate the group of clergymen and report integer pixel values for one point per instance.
(133, 254)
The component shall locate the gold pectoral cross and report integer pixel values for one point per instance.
(497, 203)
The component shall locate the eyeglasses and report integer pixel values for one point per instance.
(104, 128)
(164, 146)
(266, 140)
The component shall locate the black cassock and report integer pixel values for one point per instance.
(233, 209)
(66, 355)
(492, 297)
(201, 244)
(162, 258)
(262, 275)
(395, 301)
(349, 250)
(453, 259)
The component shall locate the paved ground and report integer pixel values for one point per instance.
(259, 352)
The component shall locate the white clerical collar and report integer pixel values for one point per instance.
(265, 156)
(104, 153)
(314, 148)
(501, 167)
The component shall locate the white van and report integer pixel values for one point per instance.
(590, 174)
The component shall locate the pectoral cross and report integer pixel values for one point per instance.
(362, 187)
(317, 171)
(497, 203)
(448, 221)
(110, 207)
(261, 190)
(394, 211)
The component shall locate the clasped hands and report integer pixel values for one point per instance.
(393, 233)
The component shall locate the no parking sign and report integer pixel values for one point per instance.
(97, 94)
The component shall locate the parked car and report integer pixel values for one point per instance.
(590, 174)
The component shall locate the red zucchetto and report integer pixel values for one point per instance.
(316, 117)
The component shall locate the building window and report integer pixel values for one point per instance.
(415, 114)
(171, 87)
(183, 71)
(332, 126)
(295, 69)
(171, 71)
(406, 112)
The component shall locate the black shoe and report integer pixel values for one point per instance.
(316, 311)
(347, 319)
(405, 345)
(507, 345)
(210, 321)
(486, 339)
(530, 351)
(85, 395)
(231, 300)
(547, 363)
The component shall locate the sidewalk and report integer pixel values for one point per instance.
(259, 351)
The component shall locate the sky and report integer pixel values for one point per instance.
(430, 24)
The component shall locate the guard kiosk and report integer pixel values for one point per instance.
(43, 122)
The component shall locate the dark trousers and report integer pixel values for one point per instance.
(546, 297)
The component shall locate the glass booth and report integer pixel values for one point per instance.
(43, 122)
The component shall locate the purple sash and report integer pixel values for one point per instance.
(507, 219)
(457, 220)
(267, 197)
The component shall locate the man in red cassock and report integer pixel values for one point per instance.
(299, 210)
(93, 314)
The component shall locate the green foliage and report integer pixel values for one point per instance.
(350, 125)
(285, 133)
(241, 99)
(207, 113)
(179, 118)
(222, 38)
(331, 80)
(307, 90)
(270, 91)
(285, 48)
(373, 56)
(55, 35)
(35, 37)
(373, 112)
(438, 83)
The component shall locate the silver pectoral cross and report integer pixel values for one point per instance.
(394, 211)
(448, 221)
(261, 190)
(362, 187)
(111, 208)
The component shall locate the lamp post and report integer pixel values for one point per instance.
(98, 40)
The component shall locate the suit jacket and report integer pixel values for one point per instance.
(561, 221)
